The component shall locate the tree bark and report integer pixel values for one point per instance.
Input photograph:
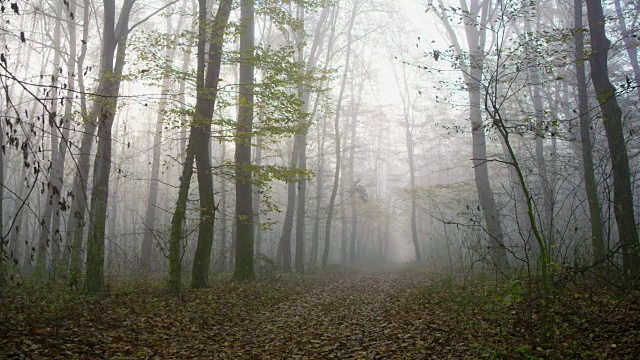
(612, 119)
(205, 106)
(476, 32)
(73, 235)
(102, 166)
(287, 225)
(244, 213)
(257, 160)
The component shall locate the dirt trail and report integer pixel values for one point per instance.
(363, 315)
(367, 315)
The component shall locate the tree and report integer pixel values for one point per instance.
(336, 126)
(198, 150)
(476, 17)
(113, 36)
(244, 213)
(595, 216)
(407, 124)
(612, 120)
(152, 203)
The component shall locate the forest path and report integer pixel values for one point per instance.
(364, 315)
(359, 315)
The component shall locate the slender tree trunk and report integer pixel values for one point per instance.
(336, 179)
(152, 202)
(222, 232)
(58, 168)
(315, 240)
(355, 108)
(53, 191)
(177, 220)
(112, 38)
(73, 235)
(535, 82)
(344, 240)
(244, 213)
(631, 43)
(287, 225)
(475, 20)
(198, 150)
(479, 145)
(204, 109)
(257, 160)
(4, 259)
(612, 119)
(304, 130)
(313, 257)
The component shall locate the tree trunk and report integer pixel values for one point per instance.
(355, 108)
(53, 188)
(313, 257)
(4, 259)
(58, 167)
(287, 225)
(177, 220)
(73, 235)
(244, 213)
(631, 43)
(257, 160)
(344, 241)
(336, 179)
(102, 166)
(152, 201)
(540, 135)
(475, 20)
(205, 106)
(476, 43)
(612, 119)
(222, 232)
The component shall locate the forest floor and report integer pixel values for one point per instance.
(357, 315)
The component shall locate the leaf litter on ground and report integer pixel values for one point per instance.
(359, 315)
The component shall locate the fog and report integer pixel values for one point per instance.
(319, 134)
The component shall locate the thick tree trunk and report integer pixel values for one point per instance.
(612, 119)
(244, 213)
